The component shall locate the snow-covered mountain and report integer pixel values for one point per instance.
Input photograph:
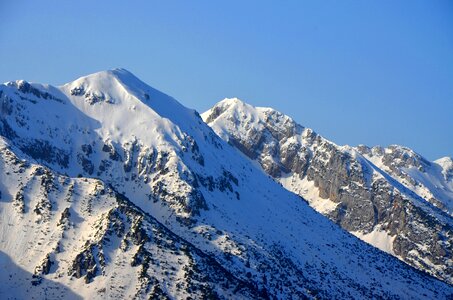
(390, 197)
(112, 189)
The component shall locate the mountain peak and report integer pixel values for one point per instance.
(244, 112)
(446, 163)
(235, 107)
(122, 88)
(232, 101)
(444, 160)
(125, 76)
(234, 104)
(113, 72)
(108, 79)
(238, 106)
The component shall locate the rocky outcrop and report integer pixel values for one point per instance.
(365, 197)
(152, 204)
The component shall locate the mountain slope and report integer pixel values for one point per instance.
(391, 198)
(114, 189)
(67, 228)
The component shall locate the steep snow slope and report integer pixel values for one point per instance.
(386, 197)
(162, 206)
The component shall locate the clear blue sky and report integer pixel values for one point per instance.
(372, 72)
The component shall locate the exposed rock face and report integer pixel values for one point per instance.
(127, 246)
(370, 189)
(123, 236)
(151, 203)
(77, 149)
